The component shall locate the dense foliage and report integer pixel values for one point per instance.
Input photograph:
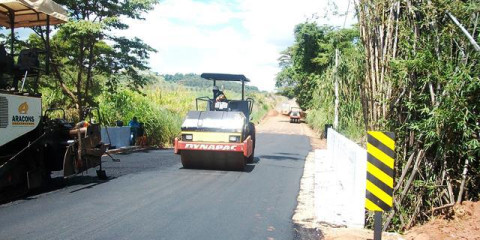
(407, 68)
(431, 92)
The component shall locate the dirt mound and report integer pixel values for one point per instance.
(463, 224)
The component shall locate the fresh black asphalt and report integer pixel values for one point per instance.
(150, 196)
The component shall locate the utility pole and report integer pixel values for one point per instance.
(335, 121)
(337, 56)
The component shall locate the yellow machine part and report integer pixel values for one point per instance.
(212, 136)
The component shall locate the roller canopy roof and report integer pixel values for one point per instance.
(224, 77)
(29, 13)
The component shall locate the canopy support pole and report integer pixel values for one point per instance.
(243, 90)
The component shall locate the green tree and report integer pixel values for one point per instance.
(297, 62)
(86, 55)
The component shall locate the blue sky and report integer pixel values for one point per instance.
(228, 36)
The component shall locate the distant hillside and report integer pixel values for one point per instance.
(194, 80)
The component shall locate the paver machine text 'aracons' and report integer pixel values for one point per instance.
(222, 136)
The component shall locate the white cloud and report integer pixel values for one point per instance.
(223, 36)
(194, 12)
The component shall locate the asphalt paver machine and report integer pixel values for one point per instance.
(221, 136)
(32, 144)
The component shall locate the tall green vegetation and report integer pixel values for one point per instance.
(406, 68)
(160, 107)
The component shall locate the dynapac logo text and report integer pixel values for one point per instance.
(215, 147)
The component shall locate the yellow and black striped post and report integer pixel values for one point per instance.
(380, 174)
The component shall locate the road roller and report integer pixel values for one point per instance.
(219, 136)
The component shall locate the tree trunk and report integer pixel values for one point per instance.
(79, 80)
(91, 63)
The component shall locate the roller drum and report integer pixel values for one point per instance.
(213, 160)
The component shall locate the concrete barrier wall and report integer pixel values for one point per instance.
(119, 136)
(340, 182)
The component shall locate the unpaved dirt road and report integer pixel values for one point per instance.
(277, 123)
(150, 196)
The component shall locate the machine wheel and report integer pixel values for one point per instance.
(252, 135)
